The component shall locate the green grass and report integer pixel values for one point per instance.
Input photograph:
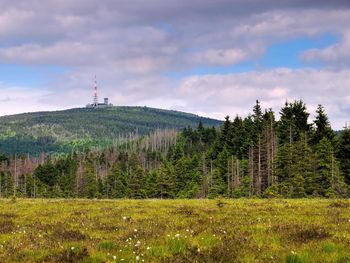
(174, 231)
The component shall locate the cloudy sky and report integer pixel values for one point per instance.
(209, 57)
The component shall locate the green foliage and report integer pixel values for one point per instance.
(254, 156)
(323, 127)
(293, 122)
(343, 153)
(77, 129)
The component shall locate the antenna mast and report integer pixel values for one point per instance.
(95, 101)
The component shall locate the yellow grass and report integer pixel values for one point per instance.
(175, 230)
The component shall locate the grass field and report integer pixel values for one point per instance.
(175, 231)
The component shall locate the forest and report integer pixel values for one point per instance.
(75, 129)
(255, 156)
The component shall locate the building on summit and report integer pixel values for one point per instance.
(95, 103)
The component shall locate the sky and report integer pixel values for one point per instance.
(209, 57)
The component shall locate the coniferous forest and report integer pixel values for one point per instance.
(262, 155)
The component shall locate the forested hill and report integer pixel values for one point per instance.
(255, 156)
(38, 132)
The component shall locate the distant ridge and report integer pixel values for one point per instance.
(53, 131)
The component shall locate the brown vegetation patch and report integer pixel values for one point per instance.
(106, 209)
(185, 211)
(311, 233)
(106, 227)
(302, 233)
(6, 227)
(61, 233)
(79, 213)
(68, 255)
(340, 204)
(226, 251)
(8, 215)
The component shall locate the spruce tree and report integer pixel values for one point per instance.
(322, 126)
(166, 181)
(343, 153)
(90, 186)
(293, 123)
(116, 182)
(323, 176)
(136, 183)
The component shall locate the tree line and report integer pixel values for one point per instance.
(255, 156)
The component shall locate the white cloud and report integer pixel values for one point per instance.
(337, 55)
(129, 45)
(235, 93)
(19, 100)
(218, 57)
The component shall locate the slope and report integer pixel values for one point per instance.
(56, 131)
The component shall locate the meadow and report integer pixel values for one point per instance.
(243, 230)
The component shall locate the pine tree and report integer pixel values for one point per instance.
(136, 183)
(187, 177)
(293, 122)
(151, 185)
(257, 118)
(343, 153)
(323, 176)
(116, 182)
(301, 180)
(218, 185)
(90, 180)
(323, 127)
(165, 181)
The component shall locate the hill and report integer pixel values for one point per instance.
(57, 131)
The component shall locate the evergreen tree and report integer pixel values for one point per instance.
(136, 183)
(166, 182)
(343, 153)
(301, 180)
(116, 185)
(188, 177)
(218, 185)
(324, 174)
(293, 122)
(257, 117)
(151, 185)
(323, 127)
(90, 186)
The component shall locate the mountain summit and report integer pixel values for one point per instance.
(54, 131)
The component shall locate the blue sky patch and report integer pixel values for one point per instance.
(280, 55)
(30, 76)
